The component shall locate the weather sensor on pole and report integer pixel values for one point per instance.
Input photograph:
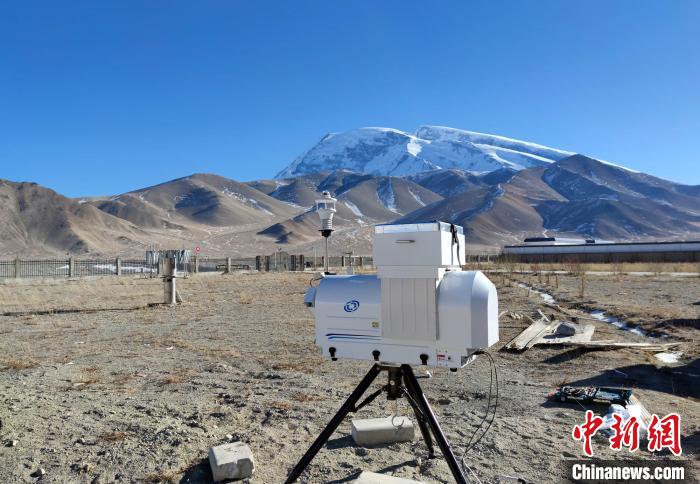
(325, 207)
(420, 309)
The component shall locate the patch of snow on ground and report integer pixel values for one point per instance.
(602, 316)
(598, 314)
(354, 208)
(385, 192)
(416, 197)
(548, 298)
(669, 356)
(248, 201)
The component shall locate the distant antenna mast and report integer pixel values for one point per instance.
(325, 207)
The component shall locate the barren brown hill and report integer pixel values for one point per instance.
(37, 220)
(576, 196)
(200, 199)
(362, 200)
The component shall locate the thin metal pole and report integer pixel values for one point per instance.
(411, 397)
(323, 437)
(326, 259)
(422, 402)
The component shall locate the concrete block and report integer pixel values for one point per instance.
(231, 461)
(374, 478)
(384, 430)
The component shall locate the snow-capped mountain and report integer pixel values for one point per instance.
(391, 152)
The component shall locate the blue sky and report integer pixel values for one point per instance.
(105, 97)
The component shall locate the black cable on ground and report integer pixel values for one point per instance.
(493, 373)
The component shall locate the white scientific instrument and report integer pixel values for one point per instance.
(420, 308)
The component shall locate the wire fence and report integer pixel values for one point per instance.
(74, 267)
(64, 268)
(153, 267)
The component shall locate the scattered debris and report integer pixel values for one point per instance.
(639, 410)
(543, 331)
(511, 315)
(568, 333)
(632, 409)
(614, 345)
(531, 334)
(622, 402)
(592, 395)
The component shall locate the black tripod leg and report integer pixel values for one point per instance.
(421, 423)
(323, 437)
(422, 402)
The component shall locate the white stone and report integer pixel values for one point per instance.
(231, 461)
(374, 478)
(384, 430)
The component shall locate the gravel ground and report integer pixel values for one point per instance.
(119, 391)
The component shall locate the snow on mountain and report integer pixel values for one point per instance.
(391, 152)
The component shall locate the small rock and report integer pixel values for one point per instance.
(361, 451)
(444, 401)
(229, 437)
(12, 443)
(38, 473)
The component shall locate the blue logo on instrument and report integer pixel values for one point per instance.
(351, 306)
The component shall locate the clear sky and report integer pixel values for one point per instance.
(101, 97)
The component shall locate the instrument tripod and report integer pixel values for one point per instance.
(402, 382)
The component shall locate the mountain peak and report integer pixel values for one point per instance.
(392, 152)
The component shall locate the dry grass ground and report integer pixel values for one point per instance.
(128, 393)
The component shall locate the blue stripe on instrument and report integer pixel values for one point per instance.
(334, 336)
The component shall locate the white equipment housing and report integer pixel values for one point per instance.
(420, 308)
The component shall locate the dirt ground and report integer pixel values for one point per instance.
(119, 391)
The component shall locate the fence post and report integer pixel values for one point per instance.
(119, 266)
(302, 262)
(228, 265)
(196, 264)
(267, 263)
(258, 264)
(71, 267)
(16, 267)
